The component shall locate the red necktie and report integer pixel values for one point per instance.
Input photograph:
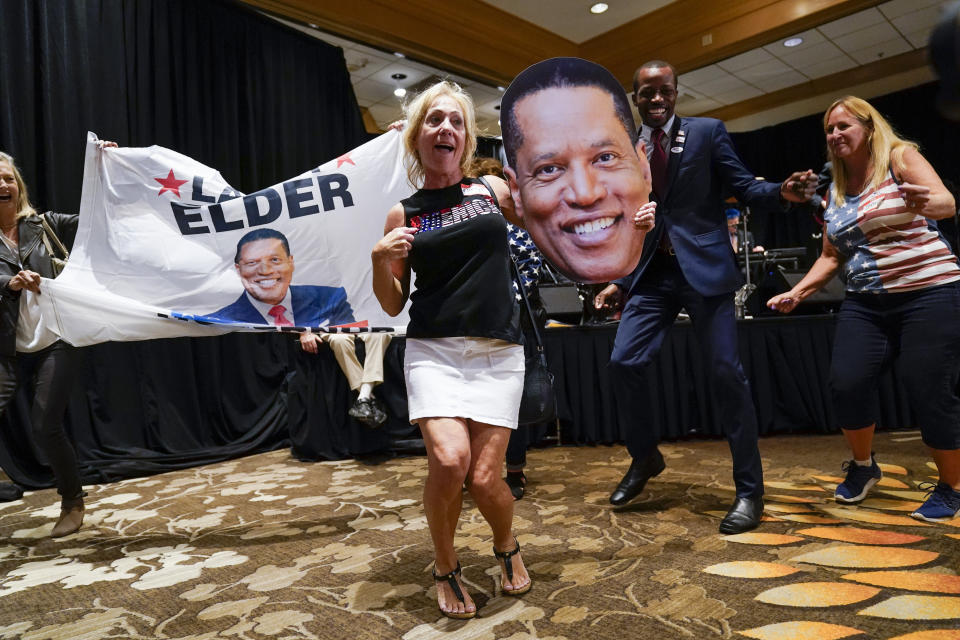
(658, 163)
(276, 312)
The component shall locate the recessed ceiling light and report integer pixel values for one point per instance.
(599, 7)
(399, 92)
(399, 76)
(398, 54)
(792, 42)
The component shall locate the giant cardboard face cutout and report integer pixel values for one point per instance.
(575, 175)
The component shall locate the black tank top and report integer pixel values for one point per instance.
(461, 262)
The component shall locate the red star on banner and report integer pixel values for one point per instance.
(170, 183)
(343, 159)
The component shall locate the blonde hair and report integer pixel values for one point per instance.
(886, 147)
(24, 208)
(416, 112)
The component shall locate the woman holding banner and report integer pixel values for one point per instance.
(27, 348)
(464, 362)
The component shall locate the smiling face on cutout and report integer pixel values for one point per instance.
(578, 181)
(265, 269)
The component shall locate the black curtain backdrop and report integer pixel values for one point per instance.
(785, 359)
(230, 88)
(774, 152)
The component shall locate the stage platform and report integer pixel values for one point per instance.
(142, 408)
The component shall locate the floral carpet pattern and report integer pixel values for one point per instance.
(267, 547)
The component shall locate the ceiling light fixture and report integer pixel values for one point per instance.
(399, 92)
(599, 7)
(792, 42)
(398, 54)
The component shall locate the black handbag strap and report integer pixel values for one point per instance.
(526, 304)
(518, 278)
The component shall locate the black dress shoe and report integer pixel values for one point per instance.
(636, 478)
(10, 492)
(744, 515)
(362, 409)
(369, 411)
(378, 414)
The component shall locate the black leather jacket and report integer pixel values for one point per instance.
(34, 257)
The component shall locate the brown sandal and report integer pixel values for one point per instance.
(508, 565)
(451, 580)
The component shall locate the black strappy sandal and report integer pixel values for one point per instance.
(508, 565)
(451, 579)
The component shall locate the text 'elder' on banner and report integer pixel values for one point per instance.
(165, 247)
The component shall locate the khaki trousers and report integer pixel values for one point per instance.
(371, 371)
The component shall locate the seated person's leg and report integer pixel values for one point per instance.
(375, 345)
(343, 350)
(361, 378)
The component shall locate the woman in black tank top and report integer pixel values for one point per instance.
(452, 236)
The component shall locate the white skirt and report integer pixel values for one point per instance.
(476, 378)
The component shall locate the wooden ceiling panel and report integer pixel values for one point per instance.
(676, 33)
(468, 37)
(481, 42)
(835, 83)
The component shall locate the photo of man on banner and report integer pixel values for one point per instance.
(265, 266)
(579, 183)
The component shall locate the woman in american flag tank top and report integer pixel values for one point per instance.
(902, 297)
(463, 362)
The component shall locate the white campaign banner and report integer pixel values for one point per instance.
(156, 253)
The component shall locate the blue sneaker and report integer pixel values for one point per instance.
(859, 481)
(942, 503)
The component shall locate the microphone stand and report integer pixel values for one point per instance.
(740, 298)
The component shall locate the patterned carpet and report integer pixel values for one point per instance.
(268, 547)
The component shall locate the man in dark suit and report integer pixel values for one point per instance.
(688, 263)
(265, 266)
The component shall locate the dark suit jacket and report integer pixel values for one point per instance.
(312, 306)
(702, 168)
